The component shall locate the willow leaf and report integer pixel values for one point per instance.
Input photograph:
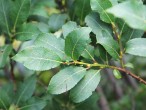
(38, 58)
(76, 42)
(133, 13)
(86, 86)
(66, 79)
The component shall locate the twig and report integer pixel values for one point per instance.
(102, 66)
(129, 73)
(12, 76)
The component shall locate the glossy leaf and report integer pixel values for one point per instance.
(76, 42)
(27, 32)
(53, 43)
(38, 58)
(86, 86)
(117, 74)
(56, 21)
(20, 11)
(110, 45)
(26, 89)
(132, 12)
(68, 27)
(4, 54)
(66, 79)
(136, 47)
(100, 6)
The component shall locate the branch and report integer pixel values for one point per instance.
(102, 66)
(12, 71)
(129, 73)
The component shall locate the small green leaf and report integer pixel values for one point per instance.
(66, 79)
(38, 58)
(51, 42)
(26, 89)
(27, 32)
(129, 65)
(136, 47)
(4, 54)
(56, 21)
(20, 11)
(76, 42)
(133, 13)
(110, 45)
(86, 86)
(117, 74)
(68, 27)
(100, 6)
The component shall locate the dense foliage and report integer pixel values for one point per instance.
(55, 54)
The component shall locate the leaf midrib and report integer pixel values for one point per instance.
(18, 14)
(88, 82)
(5, 16)
(69, 77)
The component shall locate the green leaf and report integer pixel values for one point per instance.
(38, 58)
(89, 52)
(56, 21)
(82, 8)
(117, 74)
(44, 28)
(51, 42)
(27, 32)
(34, 104)
(114, 2)
(86, 86)
(26, 89)
(128, 33)
(68, 27)
(129, 65)
(20, 12)
(100, 6)
(76, 42)
(133, 13)
(4, 99)
(4, 54)
(4, 15)
(93, 21)
(90, 103)
(137, 47)
(110, 45)
(66, 79)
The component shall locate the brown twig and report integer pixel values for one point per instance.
(108, 66)
(130, 73)
(12, 76)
